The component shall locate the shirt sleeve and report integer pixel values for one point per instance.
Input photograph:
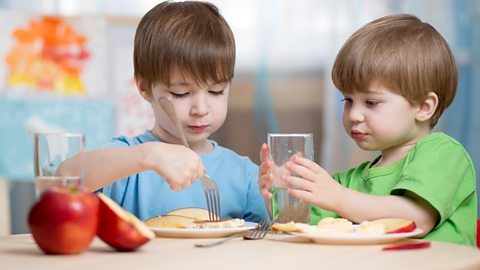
(440, 172)
(116, 190)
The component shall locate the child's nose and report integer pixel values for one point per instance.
(200, 106)
(355, 114)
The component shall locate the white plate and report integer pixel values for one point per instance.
(202, 233)
(358, 238)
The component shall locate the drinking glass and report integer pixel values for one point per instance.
(50, 151)
(283, 146)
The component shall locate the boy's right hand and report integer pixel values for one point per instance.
(179, 165)
(264, 176)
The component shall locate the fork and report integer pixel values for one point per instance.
(210, 188)
(259, 232)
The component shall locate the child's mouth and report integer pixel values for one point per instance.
(357, 135)
(198, 128)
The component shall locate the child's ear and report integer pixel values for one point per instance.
(143, 89)
(428, 107)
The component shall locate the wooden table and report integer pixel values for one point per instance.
(21, 252)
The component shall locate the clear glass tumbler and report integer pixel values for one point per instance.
(283, 146)
(50, 152)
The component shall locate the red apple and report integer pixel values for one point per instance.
(119, 228)
(64, 220)
(396, 225)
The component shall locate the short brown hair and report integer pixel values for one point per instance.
(400, 52)
(191, 36)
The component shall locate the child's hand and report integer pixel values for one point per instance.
(264, 176)
(312, 183)
(179, 165)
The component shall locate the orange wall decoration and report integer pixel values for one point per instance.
(47, 55)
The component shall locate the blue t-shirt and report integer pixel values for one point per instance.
(147, 194)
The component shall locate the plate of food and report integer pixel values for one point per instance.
(338, 231)
(193, 223)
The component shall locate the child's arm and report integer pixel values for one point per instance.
(318, 187)
(179, 165)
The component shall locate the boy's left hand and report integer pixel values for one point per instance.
(313, 184)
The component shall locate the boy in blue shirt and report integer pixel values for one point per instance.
(397, 75)
(184, 51)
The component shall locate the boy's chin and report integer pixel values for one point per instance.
(366, 147)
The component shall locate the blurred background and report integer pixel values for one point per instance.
(66, 65)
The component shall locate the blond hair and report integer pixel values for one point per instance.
(191, 36)
(402, 53)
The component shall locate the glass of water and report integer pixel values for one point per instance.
(283, 146)
(50, 152)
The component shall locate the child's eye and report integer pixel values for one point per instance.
(371, 103)
(217, 93)
(347, 100)
(179, 95)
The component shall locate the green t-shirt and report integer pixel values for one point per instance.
(439, 170)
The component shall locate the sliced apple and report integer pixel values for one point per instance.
(119, 228)
(170, 221)
(395, 225)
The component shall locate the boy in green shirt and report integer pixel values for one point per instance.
(397, 75)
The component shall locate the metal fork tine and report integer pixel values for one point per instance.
(259, 232)
(258, 229)
(263, 229)
(211, 202)
(212, 197)
(207, 198)
(217, 202)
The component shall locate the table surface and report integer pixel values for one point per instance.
(21, 252)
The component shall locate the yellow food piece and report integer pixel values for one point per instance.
(184, 218)
(370, 227)
(170, 222)
(195, 213)
(335, 225)
(327, 225)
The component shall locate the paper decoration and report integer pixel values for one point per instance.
(134, 114)
(47, 55)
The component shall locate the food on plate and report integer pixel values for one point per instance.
(196, 218)
(179, 222)
(180, 218)
(190, 212)
(327, 225)
(120, 229)
(64, 220)
(292, 226)
(371, 228)
(286, 227)
(331, 225)
(224, 223)
(387, 225)
(335, 225)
